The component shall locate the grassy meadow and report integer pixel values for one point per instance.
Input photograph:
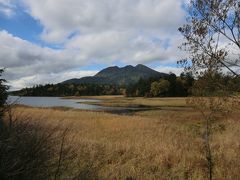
(165, 143)
(121, 101)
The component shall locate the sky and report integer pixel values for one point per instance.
(49, 41)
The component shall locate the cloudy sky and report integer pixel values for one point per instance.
(48, 41)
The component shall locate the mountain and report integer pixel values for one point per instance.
(119, 76)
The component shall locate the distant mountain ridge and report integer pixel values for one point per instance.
(119, 76)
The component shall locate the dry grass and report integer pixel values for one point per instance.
(121, 101)
(31, 150)
(158, 144)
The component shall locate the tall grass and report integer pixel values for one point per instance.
(149, 145)
(30, 150)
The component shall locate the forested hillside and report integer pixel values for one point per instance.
(170, 85)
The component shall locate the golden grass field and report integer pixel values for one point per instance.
(164, 143)
(121, 101)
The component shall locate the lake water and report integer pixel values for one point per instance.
(70, 103)
(55, 102)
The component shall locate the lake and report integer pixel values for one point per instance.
(55, 102)
(70, 103)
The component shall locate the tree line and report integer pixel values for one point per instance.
(169, 86)
(69, 90)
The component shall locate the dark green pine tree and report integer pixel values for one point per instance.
(3, 97)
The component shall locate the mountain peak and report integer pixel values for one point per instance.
(107, 70)
(120, 76)
(140, 65)
(128, 67)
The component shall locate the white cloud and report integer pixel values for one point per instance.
(113, 30)
(61, 18)
(24, 60)
(32, 80)
(170, 69)
(17, 53)
(92, 31)
(7, 7)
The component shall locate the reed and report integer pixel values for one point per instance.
(158, 144)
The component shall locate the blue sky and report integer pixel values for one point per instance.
(49, 41)
(22, 25)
